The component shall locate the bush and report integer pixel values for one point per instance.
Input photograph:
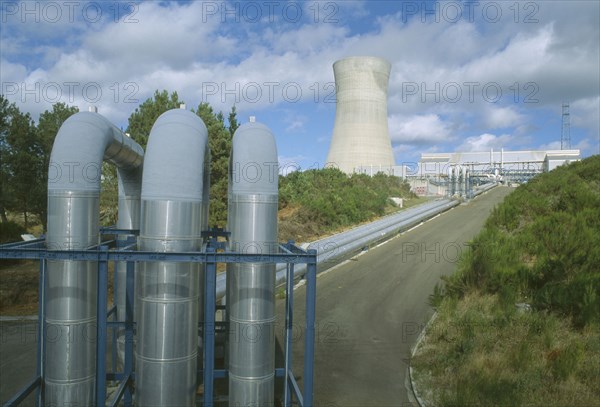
(328, 199)
(10, 232)
(542, 244)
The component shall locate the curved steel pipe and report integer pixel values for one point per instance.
(82, 143)
(174, 185)
(252, 222)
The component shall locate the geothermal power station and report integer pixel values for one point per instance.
(164, 317)
(360, 133)
(178, 327)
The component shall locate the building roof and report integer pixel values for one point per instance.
(498, 156)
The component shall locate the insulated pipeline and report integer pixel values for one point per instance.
(82, 143)
(173, 211)
(253, 200)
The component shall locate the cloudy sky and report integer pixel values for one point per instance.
(465, 76)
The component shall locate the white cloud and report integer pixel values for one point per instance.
(586, 113)
(553, 145)
(290, 164)
(418, 130)
(582, 145)
(499, 117)
(295, 121)
(174, 46)
(485, 142)
(11, 73)
(306, 40)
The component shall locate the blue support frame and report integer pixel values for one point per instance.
(210, 302)
(288, 253)
(41, 348)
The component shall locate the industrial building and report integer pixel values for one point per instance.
(517, 165)
(431, 175)
(360, 134)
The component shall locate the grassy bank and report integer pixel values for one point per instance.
(317, 203)
(519, 322)
(482, 352)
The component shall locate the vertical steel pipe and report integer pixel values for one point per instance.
(130, 188)
(251, 293)
(82, 143)
(167, 294)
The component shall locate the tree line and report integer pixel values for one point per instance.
(25, 149)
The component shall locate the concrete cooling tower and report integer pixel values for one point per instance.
(360, 134)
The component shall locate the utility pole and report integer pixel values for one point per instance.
(565, 136)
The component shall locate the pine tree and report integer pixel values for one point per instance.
(219, 140)
(5, 193)
(20, 162)
(233, 123)
(143, 118)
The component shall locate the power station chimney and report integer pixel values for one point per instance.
(360, 134)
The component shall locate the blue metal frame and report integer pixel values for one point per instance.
(215, 253)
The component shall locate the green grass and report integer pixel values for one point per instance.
(480, 352)
(541, 247)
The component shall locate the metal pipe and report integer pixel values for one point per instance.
(82, 143)
(454, 180)
(204, 226)
(463, 181)
(174, 184)
(342, 244)
(251, 292)
(130, 188)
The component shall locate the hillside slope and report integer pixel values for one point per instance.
(519, 322)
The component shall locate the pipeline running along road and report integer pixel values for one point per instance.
(371, 309)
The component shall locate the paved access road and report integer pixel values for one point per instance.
(371, 310)
(18, 343)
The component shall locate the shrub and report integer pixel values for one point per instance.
(328, 199)
(542, 244)
(10, 232)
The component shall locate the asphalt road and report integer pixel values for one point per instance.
(18, 341)
(370, 310)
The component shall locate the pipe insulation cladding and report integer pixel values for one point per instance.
(173, 212)
(82, 143)
(252, 221)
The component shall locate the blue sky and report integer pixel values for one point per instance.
(465, 75)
